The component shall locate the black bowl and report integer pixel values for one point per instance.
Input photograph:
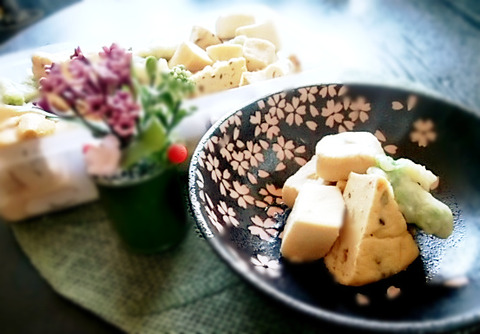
(238, 169)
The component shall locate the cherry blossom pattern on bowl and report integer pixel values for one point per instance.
(238, 169)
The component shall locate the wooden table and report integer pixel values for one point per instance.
(435, 44)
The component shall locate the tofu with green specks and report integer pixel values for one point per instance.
(222, 75)
(374, 242)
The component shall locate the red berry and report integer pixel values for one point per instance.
(177, 153)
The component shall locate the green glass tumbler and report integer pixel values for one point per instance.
(148, 211)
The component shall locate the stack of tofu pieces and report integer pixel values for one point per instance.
(345, 215)
(240, 52)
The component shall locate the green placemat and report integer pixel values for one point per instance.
(186, 290)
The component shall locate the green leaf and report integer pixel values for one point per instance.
(152, 139)
(152, 69)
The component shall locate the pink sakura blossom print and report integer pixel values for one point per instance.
(423, 132)
(332, 112)
(284, 148)
(212, 217)
(241, 193)
(295, 112)
(228, 214)
(308, 94)
(276, 105)
(212, 164)
(272, 200)
(410, 103)
(329, 90)
(264, 228)
(359, 110)
(392, 149)
(264, 265)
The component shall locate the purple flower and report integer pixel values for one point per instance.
(96, 105)
(97, 90)
(118, 61)
(78, 54)
(54, 82)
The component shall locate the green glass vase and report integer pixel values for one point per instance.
(148, 211)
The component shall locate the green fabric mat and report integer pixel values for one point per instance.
(186, 290)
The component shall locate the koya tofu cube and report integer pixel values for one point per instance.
(374, 242)
(292, 185)
(220, 76)
(226, 25)
(259, 53)
(314, 222)
(41, 59)
(264, 30)
(278, 69)
(346, 152)
(190, 55)
(163, 51)
(224, 51)
(203, 37)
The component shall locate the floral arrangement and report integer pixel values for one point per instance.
(133, 117)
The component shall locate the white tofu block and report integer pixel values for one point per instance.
(190, 55)
(374, 242)
(203, 37)
(264, 30)
(259, 53)
(346, 152)
(278, 69)
(41, 59)
(225, 51)
(164, 51)
(292, 185)
(43, 175)
(226, 25)
(314, 223)
(222, 75)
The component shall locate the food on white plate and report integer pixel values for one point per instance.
(40, 61)
(18, 124)
(263, 30)
(374, 242)
(224, 51)
(314, 222)
(41, 164)
(160, 51)
(203, 37)
(259, 53)
(340, 154)
(217, 59)
(190, 55)
(381, 196)
(237, 35)
(292, 185)
(220, 76)
(278, 69)
(16, 94)
(227, 25)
